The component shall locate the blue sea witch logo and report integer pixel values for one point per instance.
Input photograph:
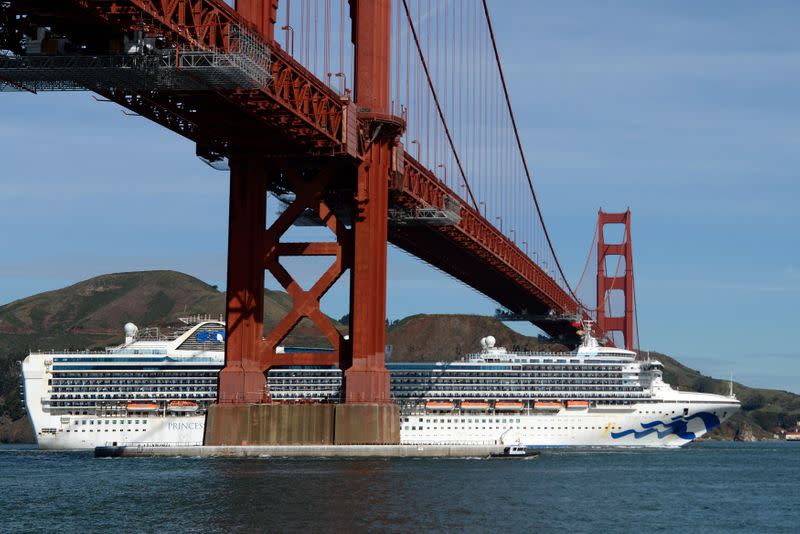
(210, 336)
(678, 426)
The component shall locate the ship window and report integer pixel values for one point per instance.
(686, 411)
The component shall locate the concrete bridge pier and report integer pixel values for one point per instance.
(302, 424)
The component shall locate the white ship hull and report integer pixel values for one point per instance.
(648, 425)
(88, 432)
(645, 425)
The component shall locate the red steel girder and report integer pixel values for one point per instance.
(306, 303)
(417, 186)
(294, 101)
(254, 249)
(195, 24)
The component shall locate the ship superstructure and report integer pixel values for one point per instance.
(156, 392)
(594, 396)
(153, 389)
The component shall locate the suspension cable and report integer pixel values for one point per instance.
(438, 106)
(588, 257)
(522, 154)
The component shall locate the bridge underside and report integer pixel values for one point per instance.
(443, 248)
(218, 78)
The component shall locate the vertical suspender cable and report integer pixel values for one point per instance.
(436, 100)
(522, 154)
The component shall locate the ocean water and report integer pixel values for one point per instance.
(709, 487)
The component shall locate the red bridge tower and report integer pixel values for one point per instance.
(367, 415)
(606, 284)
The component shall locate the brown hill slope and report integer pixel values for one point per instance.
(91, 313)
(448, 337)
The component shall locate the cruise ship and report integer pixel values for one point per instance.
(154, 390)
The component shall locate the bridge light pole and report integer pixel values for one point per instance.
(498, 218)
(344, 81)
(513, 231)
(415, 142)
(442, 166)
(290, 39)
(483, 203)
(526, 247)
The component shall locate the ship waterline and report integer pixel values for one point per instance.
(154, 390)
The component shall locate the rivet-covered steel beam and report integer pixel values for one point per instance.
(416, 186)
(293, 99)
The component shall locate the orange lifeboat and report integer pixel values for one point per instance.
(142, 407)
(577, 404)
(508, 406)
(474, 406)
(439, 406)
(547, 406)
(182, 406)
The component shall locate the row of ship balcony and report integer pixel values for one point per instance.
(133, 395)
(64, 392)
(511, 394)
(553, 370)
(138, 373)
(118, 380)
(468, 384)
(522, 381)
(459, 388)
(132, 387)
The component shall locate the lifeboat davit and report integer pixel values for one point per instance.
(547, 406)
(474, 406)
(439, 406)
(142, 407)
(577, 404)
(182, 406)
(508, 406)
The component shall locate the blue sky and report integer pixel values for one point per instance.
(686, 112)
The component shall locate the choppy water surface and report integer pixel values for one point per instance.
(721, 487)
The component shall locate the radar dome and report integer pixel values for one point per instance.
(131, 330)
(483, 342)
(490, 341)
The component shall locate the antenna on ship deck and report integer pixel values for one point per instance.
(730, 387)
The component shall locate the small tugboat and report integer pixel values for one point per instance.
(515, 451)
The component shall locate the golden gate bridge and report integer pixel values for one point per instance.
(386, 121)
